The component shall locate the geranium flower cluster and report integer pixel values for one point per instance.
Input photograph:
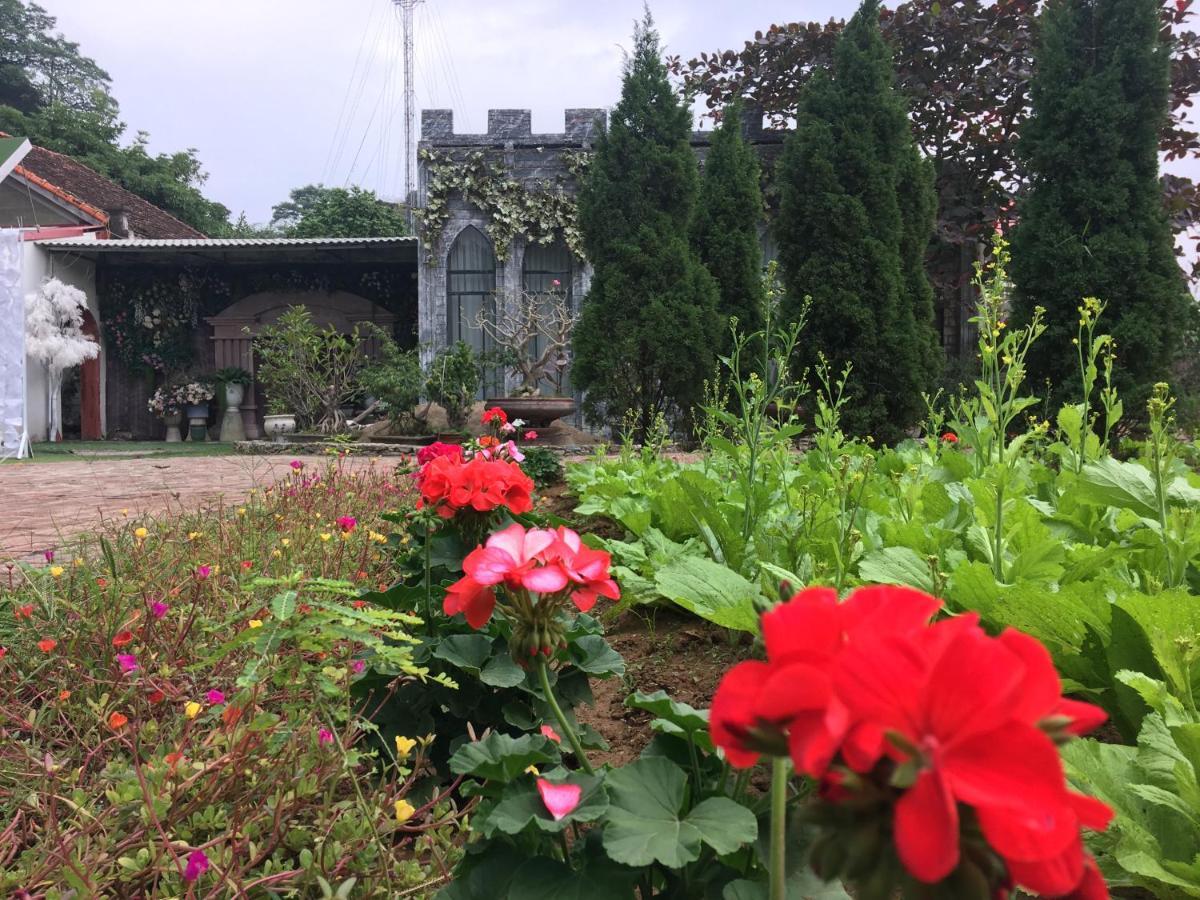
(532, 573)
(448, 484)
(950, 732)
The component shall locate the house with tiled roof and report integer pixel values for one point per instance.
(47, 191)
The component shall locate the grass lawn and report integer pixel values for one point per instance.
(75, 450)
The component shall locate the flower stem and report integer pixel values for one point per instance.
(779, 792)
(568, 731)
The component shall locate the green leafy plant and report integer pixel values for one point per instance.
(395, 379)
(543, 465)
(453, 380)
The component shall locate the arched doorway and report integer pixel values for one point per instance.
(90, 426)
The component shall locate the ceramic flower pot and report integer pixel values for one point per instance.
(280, 426)
(232, 428)
(172, 421)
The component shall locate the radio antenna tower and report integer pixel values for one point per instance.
(410, 104)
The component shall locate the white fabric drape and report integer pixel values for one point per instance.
(12, 347)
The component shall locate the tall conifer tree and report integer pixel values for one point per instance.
(1093, 222)
(856, 215)
(649, 324)
(725, 230)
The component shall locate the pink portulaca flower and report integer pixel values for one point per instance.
(202, 572)
(215, 697)
(325, 736)
(158, 609)
(347, 523)
(128, 662)
(197, 865)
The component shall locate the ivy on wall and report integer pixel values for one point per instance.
(151, 316)
(540, 211)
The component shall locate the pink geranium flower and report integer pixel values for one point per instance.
(531, 435)
(560, 799)
(550, 733)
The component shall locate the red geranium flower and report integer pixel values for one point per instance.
(436, 449)
(950, 437)
(495, 414)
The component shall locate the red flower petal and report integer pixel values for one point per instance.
(732, 713)
(926, 829)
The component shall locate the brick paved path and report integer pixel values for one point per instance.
(43, 503)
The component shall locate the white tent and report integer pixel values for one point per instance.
(14, 441)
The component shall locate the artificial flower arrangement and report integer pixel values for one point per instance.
(172, 397)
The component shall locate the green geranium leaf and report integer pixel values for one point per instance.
(501, 757)
(592, 654)
(521, 806)
(674, 717)
(470, 652)
(549, 879)
(501, 671)
(644, 822)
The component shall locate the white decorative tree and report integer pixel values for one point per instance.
(54, 336)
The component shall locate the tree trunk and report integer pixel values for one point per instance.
(54, 378)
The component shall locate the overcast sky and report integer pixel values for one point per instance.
(279, 93)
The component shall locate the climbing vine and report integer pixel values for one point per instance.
(540, 211)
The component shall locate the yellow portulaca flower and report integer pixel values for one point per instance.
(241, 511)
(404, 811)
(404, 746)
(325, 535)
(140, 533)
(277, 553)
(56, 571)
(287, 542)
(77, 562)
(192, 535)
(255, 623)
(192, 709)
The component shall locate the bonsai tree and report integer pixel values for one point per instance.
(54, 336)
(454, 381)
(533, 333)
(309, 371)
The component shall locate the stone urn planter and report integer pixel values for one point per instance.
(279, 426)
(197, 416)
(172, 421)
(232, 428)
(536, 412)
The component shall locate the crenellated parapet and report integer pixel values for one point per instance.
(510, 128)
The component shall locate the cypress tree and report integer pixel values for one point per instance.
(1093, 222)
(855, 218)
(649, 325)
(725, 230)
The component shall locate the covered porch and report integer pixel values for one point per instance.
(171, 306)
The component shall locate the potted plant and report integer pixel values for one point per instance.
(278, 422)
(312, 372)
(452, 382)
(394, 381)
(233, 381)
(195, 393)
(533, 333)
(167, 403)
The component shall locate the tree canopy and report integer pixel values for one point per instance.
(318, 211)
(60, 99)
(644, 343)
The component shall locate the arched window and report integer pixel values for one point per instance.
(546, 270)
(470, 290)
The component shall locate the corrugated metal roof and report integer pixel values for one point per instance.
(117, 246)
